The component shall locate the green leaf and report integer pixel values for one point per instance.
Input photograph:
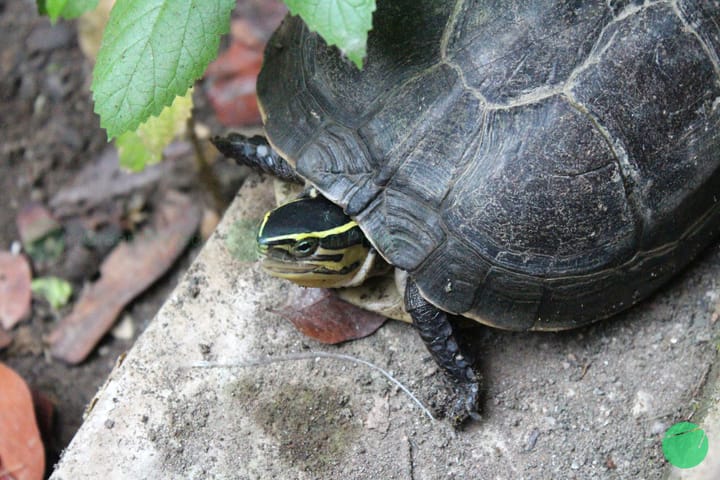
(344, 23)
(152, 51)
(65, 8)
(55, 290)
(145, 145)
(48, 248)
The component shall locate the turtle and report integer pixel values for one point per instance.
(527, 165)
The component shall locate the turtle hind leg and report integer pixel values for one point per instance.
(256, 153)
(436, 331)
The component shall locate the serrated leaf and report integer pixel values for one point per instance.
(55, 290)
(152, 51)
(65, 8)
(145, 145)
(344, 23)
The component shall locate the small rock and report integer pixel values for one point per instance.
(205, 349)
(703, 337)
(80, 263)
(109, 423)
(549, 423)
(26, 343)
(28, 88)
(39, 104)
(125, 329)
(55, 88)
(643, 400)
(378, 417)
(658, 427)
(532, 439)
(49, 37)
(71, 137)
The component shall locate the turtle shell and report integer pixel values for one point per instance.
(531, 165)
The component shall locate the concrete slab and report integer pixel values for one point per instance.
(592, 403)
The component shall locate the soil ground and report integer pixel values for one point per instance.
(48, 132)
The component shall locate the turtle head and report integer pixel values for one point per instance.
(311, 242)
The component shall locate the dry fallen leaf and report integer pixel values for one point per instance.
(126, 272)
(34, 222)
(5, 338)
(44, 414)
(102, 180)
(320, 314)
(230, 79)
(91, 26)
(231, 85)
(210, 220)
(22, 456)
(15, 294)
(254, 21)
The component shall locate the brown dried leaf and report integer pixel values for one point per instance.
(210, 220)
(34, 222)
(320, 314)
(5, 338)
(231, 77)
(15, 294)
(44, 414)
(22, 456)
(102, 180)
(129, 269)
(91, 26)
(254, 21)
(231, 85)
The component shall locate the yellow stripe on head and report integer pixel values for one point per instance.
(319, 234)
(311, 241)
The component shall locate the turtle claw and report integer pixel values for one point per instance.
(436, 331)
(465, 408)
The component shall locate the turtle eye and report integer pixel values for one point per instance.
(305, 247)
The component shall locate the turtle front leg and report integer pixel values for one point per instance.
(437, 333)
(256, 153)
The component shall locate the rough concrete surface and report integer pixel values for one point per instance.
(590, 403)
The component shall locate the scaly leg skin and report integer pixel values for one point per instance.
(256, 153)
(437, 333)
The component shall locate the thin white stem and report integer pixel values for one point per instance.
(312, 356)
